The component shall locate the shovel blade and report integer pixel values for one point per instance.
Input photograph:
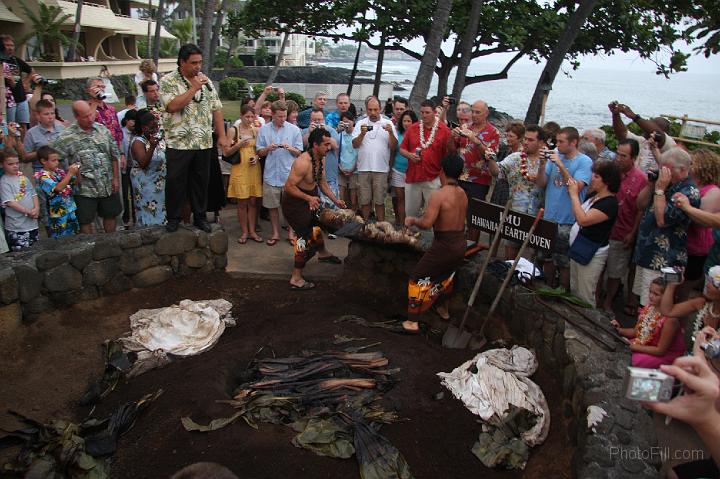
(455, 338)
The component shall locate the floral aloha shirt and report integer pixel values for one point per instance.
(191, 128)
(657, 247)
(526, 195)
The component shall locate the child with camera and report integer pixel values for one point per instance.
(707, 305)
(57, 186)
(20, 201)
(656, 339)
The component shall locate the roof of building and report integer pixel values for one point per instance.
(8, 16)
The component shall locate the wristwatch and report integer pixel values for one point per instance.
(659, 192)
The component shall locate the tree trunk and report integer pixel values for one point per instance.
(466, 48)
(72, 55)
(432, 50)
(207, 24)
(443, 74)
(354, 70)
(547, 77)
(379, 66)
(158, 25)
(215, 42)
(231, 51)
(148, 51)
(278, 60)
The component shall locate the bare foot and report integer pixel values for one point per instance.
(411, 325)
(442, 311)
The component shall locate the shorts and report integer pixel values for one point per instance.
(397, 179)
(562, 245)
(107, 207)
(11, 114)
(373, 187)
(272, 196)
(641, 286)
(618, 262)
(695, 267)
(19, 240)
(22, 113)
(350, 182)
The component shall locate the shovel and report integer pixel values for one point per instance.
(457, 337)
(479, 341)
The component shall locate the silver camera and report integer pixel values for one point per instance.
(648, 385)
(671, 275)
(712, 349)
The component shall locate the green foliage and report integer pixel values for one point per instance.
(230, 87)
(182, 30)
(261, 56)
(221, 59)
(142, 46)
(257, 90)
(47, 28)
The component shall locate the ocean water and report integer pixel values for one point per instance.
(580, 100)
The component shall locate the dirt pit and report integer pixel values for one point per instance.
(46, 371)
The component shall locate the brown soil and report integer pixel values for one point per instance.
(45, 373)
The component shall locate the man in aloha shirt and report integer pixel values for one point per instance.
(662, 235)
(192, 111)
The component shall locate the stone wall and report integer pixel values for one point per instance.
(64, 271)
(589, 374)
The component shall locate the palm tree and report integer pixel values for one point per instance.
(46, 27)
(182, 30)
(158, 25)
(72, 54)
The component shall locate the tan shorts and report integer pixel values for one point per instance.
(350, 182)
(643, 278)
(271, 196)
(373, 187)
(618, 262)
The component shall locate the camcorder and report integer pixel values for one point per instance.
(653, 175)
(657, 136)
(671, 275)
(648, 385)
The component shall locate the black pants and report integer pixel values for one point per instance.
(188, 171)
(128, 199)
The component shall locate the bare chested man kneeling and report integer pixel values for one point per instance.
(301, 198)
(431, 282)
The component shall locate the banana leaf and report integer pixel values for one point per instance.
(563, 294)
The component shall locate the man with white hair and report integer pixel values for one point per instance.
(597, 137)
(319, 101)
(662, 234)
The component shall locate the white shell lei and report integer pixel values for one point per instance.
(425, 144)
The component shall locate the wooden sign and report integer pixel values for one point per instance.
(486, 216)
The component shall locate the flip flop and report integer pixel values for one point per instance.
(256, 239)
(305, 286)
(330, 259)
(272, 241)
(405, 330)
(242, 240)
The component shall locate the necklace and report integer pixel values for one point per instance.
(647, 325)
(187, 85)
(524, 167)
(426, 144)
(58, 175)
(23, 187)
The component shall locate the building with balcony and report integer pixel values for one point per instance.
(109, 36)
(297, 51)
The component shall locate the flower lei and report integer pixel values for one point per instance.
(524, 167)
(426, 144)
(57, 176)
(646, 327)
(23, 187)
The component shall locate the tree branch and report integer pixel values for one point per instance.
(501, 75)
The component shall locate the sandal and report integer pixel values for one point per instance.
(272, 241)
(256, 239)
(407, 330)
(242, 240)
(304, 287)
(330, 259)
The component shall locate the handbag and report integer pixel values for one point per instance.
(234, 159)
(583, 249)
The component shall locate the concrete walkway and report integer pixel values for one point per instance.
(259, 260)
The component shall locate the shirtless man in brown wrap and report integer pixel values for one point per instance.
(431, 282)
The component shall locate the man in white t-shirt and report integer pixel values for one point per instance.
(655, 131)
(374, 137)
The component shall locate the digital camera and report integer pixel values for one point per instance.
(671, 275)
(369, 128)
(648, 385)
(653, 175)
(712, 348)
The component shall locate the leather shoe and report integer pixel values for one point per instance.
(203, 225)
(172, 226)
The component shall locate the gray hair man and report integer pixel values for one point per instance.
(318, 101)
(597, 137)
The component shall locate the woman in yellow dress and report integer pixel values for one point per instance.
(245, 177)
